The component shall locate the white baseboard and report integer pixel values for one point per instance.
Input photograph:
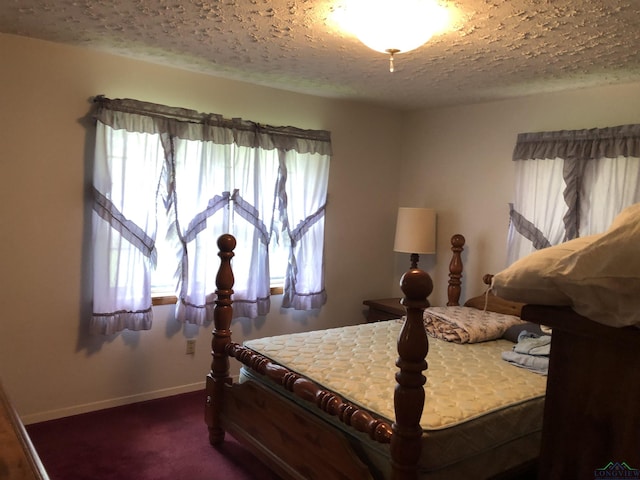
(113, 402)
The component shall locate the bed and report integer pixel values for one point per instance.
(307, 418)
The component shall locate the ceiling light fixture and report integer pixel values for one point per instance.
(395, 26)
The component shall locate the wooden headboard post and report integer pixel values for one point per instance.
(455, 271)
(409, 396)
(219, 376)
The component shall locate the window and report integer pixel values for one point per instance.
(571, 184)
(163, 276)
(168, 182)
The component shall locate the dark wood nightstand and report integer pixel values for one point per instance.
(384, 309)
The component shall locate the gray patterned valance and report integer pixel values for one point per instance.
(610, 142)
(192, 125)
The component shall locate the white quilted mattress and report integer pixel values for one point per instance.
(490, 401)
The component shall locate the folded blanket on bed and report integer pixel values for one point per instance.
(466, 324)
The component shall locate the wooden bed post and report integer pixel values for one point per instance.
(219, 376)
(413, 346)
(455, 271)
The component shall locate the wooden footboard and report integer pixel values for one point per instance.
(241, 408)
(293, 443)
(305, 389)
(283, 434)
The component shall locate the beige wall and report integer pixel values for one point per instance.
(49, 365)
(456, 160)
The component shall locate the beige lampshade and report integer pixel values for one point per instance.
(415, 230)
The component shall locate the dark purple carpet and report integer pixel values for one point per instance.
(164, 439)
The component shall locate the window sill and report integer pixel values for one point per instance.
(172, 299)
(164, 300)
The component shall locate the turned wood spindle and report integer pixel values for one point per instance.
(219, 376)
(409, 395)
(455, 271)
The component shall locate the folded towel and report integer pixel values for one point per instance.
(533, 344)
(535, 363)
(531, 352)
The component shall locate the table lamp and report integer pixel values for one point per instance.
(415, 232)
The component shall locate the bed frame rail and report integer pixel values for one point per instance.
(303, 388)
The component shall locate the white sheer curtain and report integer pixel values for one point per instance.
(306, 186)
(609, 185)
(571, 184)
(128, 170)
(255, 175)
(212, 176)
(201, 201)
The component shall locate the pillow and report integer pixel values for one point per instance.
(603, 278)
(525, 279)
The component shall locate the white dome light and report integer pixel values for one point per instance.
(395, 26)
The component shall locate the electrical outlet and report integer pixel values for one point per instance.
(191, 347)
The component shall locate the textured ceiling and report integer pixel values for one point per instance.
(497, 48)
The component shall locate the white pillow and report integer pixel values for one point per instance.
(525, 279)
(603, 278)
